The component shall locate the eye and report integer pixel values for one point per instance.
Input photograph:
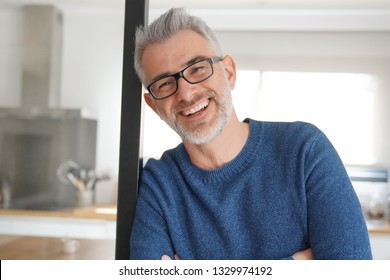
(197, 70)
(165, 84)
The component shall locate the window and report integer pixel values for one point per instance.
(340, 104)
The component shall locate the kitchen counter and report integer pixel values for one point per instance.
(379, 227)
(50, 248)
(92, 222)
(104, 212)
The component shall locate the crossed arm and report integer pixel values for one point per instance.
(301, 255)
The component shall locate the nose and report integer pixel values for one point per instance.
(185, 90)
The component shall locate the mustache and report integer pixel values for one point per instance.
(185, 104)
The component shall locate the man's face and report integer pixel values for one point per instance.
(197, 112)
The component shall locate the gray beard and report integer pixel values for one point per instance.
(204, 135)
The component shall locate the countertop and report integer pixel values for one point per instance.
(105, 212)
(50, 248)
(378, 227)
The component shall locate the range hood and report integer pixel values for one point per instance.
(42, 36)
(41, 58)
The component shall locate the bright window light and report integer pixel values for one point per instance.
(340, 104)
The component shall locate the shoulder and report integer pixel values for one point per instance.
(167, 159)
(157, 171)
(294, 139)
(286, 130)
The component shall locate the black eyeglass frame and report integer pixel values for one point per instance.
(180, 74)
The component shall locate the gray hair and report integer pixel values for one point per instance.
(164, 27)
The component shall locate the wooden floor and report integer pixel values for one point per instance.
(50, 248)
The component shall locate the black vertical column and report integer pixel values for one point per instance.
(130, 158)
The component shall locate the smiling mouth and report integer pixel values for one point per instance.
(199, 107)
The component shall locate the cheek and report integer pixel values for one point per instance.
(225, 83)
(165, 110)
(222, 80)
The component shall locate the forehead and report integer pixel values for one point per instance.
(172, 55)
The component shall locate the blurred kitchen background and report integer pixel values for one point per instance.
(322, 61)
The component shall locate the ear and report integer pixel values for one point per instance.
(230, 67)
(149, 100)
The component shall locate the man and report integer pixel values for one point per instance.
(231, 189)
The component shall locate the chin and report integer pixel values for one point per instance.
(203, 135)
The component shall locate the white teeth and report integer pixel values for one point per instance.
(197, 108)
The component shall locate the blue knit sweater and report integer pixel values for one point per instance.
(287, 190)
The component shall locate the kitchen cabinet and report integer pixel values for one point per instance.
(380, 239)
(380, 245)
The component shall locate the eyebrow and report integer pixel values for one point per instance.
(184, 65)
(194, 60)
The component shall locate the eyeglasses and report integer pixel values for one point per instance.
(193, 74)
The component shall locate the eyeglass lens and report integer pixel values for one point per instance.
(193, 74)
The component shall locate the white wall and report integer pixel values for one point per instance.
(92, 75)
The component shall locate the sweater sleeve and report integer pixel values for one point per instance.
(337, 229)
(149, 238)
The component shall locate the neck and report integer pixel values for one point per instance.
(225, 147)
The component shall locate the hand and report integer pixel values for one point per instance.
(168, 258)
(304, 255)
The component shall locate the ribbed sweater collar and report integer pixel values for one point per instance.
(231, 169)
